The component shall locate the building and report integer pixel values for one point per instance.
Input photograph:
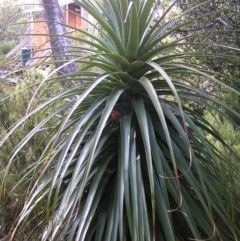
(38, 39)
(73, 16)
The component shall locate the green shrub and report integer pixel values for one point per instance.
(13, 105)
(232, 135)
(5, 47)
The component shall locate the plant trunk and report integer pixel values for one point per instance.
(59, 43)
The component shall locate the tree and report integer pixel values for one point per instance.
(10, 15)
(58, 34)
(129, 161)
(215, 22)
(12, 24)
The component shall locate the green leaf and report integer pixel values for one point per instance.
(142, 120)
(133, 38)
(123, 179)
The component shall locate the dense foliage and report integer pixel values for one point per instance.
(217, 23)
(14, 103)
(12, 19)
(232, 135)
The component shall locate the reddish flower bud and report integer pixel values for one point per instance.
(115, 115)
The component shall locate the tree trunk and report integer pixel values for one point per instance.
(60, 45)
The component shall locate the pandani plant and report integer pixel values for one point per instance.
(128, 159)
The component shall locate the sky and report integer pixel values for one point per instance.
(33, 1)
(22, 1)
